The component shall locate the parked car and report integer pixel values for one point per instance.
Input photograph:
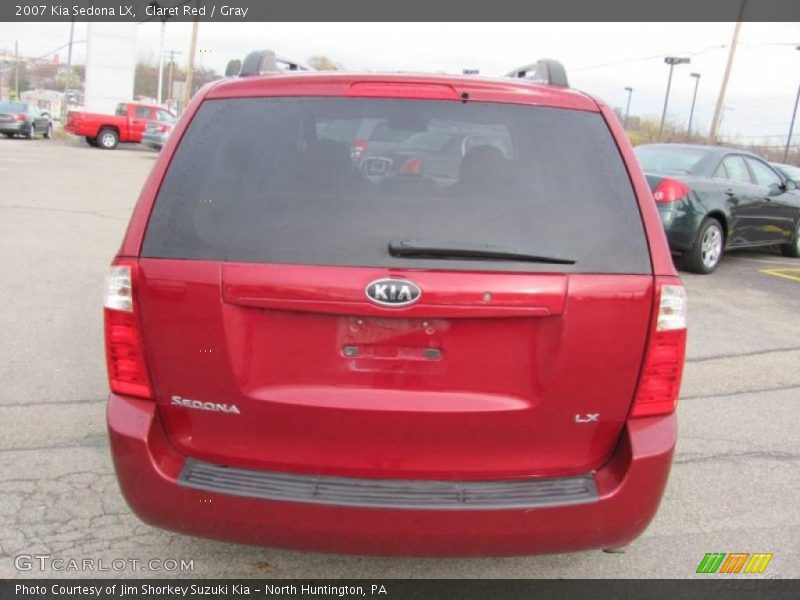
(157, 133)
(23, 119)
(302, 355)
(713, 199)
(789, 172)
(127, 124)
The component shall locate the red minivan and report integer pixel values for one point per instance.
(472, 345)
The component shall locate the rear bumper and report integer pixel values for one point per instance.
(628, 490)
(154, 140)
(14, 127)
(681, 220)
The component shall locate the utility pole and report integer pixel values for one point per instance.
(791, 125)
(16, 70)
(671, 61)
(694, 100)
(161, 61)
(627, 107)
(170, 73)
(68, 78)
(715, 122)
(187, 86)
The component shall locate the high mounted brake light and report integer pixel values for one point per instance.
(127, 368)
(660, 380)
(401, 89)
(545, 70)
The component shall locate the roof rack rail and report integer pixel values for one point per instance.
(259, 62)
(545, 70)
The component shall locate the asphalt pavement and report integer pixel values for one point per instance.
(63, 210)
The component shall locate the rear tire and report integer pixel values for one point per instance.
(10, 135)
(792, 249)
(107, 139)
(92, 142)
(48, 134)
(709, 246)
(31, 133)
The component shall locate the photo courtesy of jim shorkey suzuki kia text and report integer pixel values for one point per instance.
(187, 590)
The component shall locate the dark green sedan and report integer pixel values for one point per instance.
(713, 199)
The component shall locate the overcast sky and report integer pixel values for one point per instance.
(601, 58)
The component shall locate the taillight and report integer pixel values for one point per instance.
(127, 368)
(669, 190)
(162, 128)
(660, 380)
(19, 117)
(357, 149)
(412, 165)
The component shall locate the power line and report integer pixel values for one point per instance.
(684, 52)
(645, 58)
(46, 54)
(767, 44)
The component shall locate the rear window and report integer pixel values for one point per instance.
(663, 159)
(274, 180)
(13, 107)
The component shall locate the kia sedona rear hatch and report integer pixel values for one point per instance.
(474, 305)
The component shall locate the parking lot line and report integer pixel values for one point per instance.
(792, 274)
(769, 261)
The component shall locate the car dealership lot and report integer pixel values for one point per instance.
(63, 210)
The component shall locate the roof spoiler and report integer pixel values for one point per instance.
(259, 62)
(545, 70)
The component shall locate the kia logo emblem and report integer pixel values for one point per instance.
(393, 292)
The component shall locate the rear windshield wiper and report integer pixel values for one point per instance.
(467, 250)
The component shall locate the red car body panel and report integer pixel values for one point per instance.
(394, 410)
(551, 346)
(129, 127)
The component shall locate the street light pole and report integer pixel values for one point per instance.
(694, 100)
(791, 125)
(627, 107)
(671, 61)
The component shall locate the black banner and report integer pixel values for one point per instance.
(407, 10)
(421, 589)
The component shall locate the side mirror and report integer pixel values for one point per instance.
(789, 185)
